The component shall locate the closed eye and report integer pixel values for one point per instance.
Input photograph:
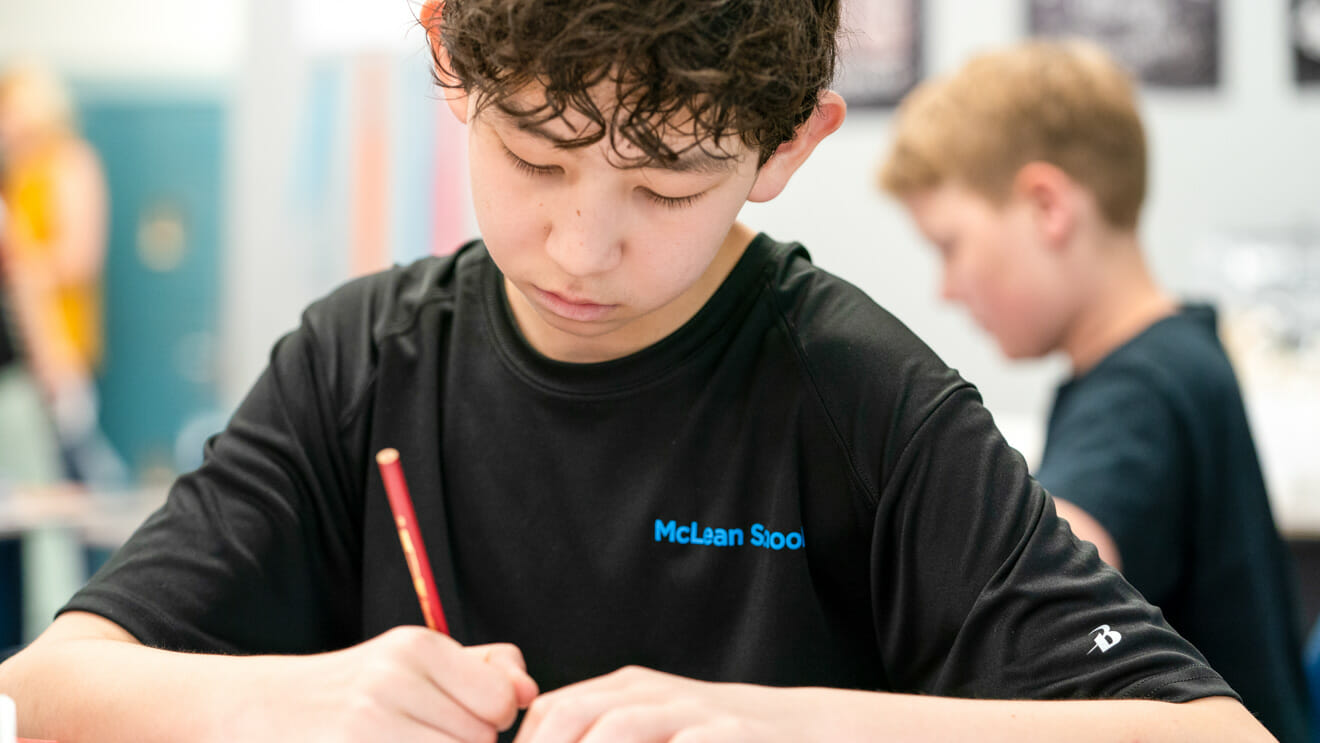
(527, 167)
(672, 202)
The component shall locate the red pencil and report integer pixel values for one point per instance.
(410, 536)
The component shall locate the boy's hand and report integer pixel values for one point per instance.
(408, 684)
(637, 705)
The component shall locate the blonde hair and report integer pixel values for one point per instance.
(1066, 103)
(39, 96)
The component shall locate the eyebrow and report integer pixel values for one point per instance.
(691, 161)
(696, 161)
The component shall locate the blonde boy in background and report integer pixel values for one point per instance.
(52, 255)
(1026, 169)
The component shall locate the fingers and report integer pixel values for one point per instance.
(726, 730)
(611, 717)
(510, 658)
(487, 690)
(606, 719)
(637, 705)
(437, 712)
(568, 714)
(644, 722)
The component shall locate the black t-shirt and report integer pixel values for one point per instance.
(1153, 442)
(791, 489)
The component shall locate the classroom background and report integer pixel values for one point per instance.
(249, 176)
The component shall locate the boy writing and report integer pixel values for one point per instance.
(586, 400)
(1027, 169)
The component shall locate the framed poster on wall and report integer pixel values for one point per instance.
(1305, 29)
(1165, 43)
(879, 51)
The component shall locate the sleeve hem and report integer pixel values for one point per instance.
(1181, 686)
(147, 624)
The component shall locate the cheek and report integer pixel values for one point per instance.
(680, 244)
(1012, 277)
(500, 226)
(996, 294)
(983, 278)
(1033, 310)
(663, 267)
(494, 182)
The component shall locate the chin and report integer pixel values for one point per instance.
(1020, 351)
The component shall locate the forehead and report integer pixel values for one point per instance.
(683, 146)
(953, 198)
(951, 207)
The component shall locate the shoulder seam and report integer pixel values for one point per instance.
(939, 405)
(872, 490)
(795, 342)
(359, 398)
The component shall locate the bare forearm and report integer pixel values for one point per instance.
(52, 354)
(86, 679)
(867, 716)
(106, 690)
(1088, 529)
(77, 262)
(79, 251)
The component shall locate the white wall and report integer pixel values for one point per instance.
(275, 265)
(126, 38)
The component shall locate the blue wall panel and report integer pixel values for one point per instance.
(164, 160)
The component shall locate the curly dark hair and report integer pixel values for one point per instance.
(713, 68)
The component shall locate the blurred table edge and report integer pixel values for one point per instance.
(96, 518)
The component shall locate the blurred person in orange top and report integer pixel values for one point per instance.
(29, 452)
(53, 248)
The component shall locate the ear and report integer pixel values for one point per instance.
(774, 174)
(1053, 198)
(456, 97)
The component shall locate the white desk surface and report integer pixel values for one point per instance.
(98, 519)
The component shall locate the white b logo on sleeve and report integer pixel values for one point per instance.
(1104, 638)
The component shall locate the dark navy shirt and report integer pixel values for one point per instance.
(1153, 442)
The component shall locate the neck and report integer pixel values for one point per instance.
(1124, 300)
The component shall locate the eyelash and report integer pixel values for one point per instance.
(525, 166)
(670, 202)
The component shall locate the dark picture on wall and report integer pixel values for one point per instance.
(880, 51)
(1306, 40)
(1166, 43)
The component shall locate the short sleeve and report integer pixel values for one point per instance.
(1115, 451)
(980, 590)
(254, 552)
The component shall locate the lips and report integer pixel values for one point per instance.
(572, 308)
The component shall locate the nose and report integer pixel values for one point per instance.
(585, 236)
